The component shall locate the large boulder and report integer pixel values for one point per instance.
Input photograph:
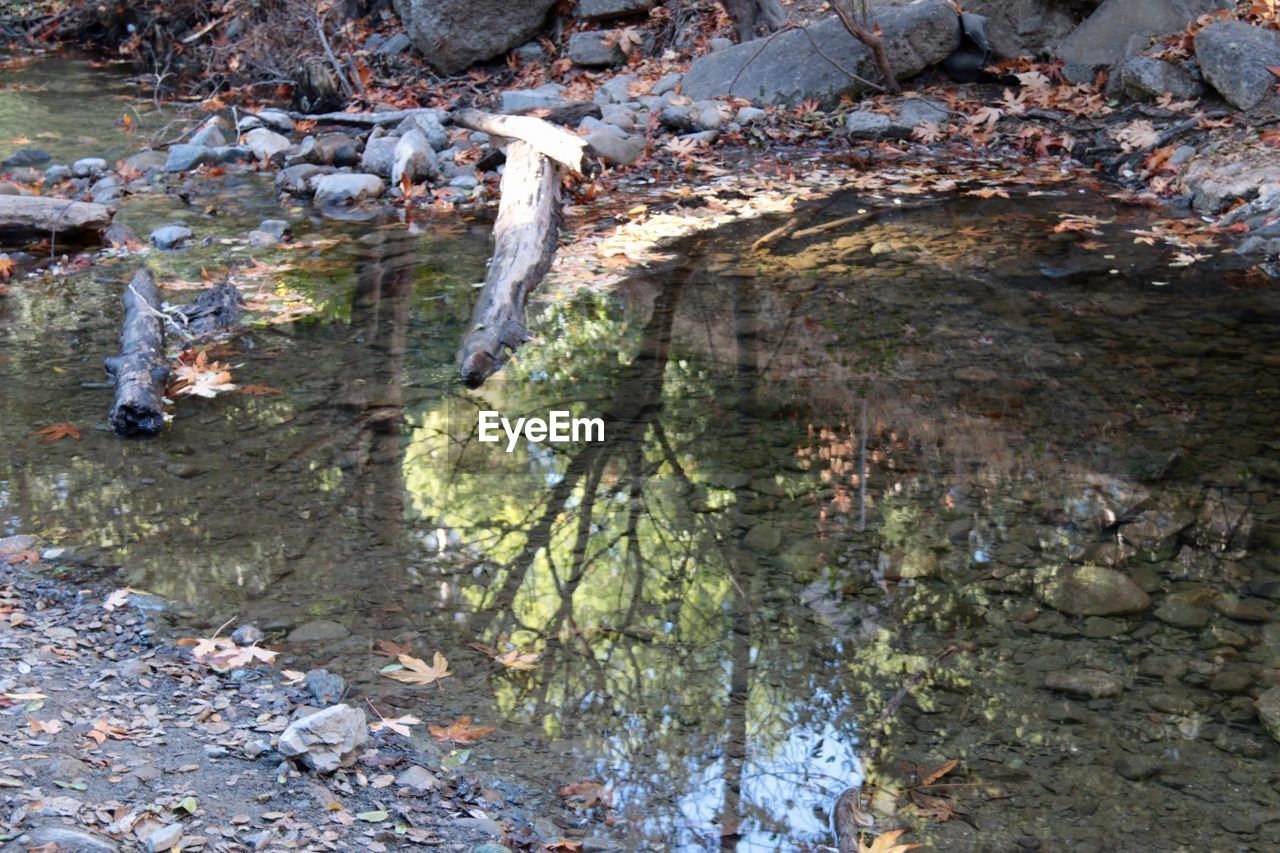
(787, 68)
(1235, 57)
(1120, 28)
(1146, 78)
(1025, 27)
(453, 34)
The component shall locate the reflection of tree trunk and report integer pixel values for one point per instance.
(636, 405)
(742, 566)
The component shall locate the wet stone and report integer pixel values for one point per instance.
(1243, 609)
(1066, 711)
(1136, 768)
(1091, 683)
(1239, 824)
(1162, 666)
(1091, 591)
(326, 687)
(1100, 627)
(1238, 743)
(1268, 706)
(1170, 703)
(247, 635)
(318, 630)
(169, 237)
(1182, 614)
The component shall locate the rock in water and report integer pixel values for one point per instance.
(1268, 705)
(170, 236)
(266, 144)
(328, 739)
(1088, 683)
(453, 34)
(1235, 58)
(346, 189)
(787, 69)
(1091, 591)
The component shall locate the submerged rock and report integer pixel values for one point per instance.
(1268, 705)
(1090, 683)
(318, 630)
(1091, 591)
(328, 739)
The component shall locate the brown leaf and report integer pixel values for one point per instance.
(584, 795)
(260, 390)
(53, 432)
(388, 649)
(460, 731)
(418, 673)
(940, 771)
(886, 843)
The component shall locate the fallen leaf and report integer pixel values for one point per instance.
(119, 598)
(48, 727)
(260, 390)
(584, 795)
(886, 843)
(418, 673)
(53, 432)
(460, 731)
(374, 816)
(399, 725)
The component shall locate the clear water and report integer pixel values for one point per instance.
(824, 466)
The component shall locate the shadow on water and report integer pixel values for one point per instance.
(822, 467)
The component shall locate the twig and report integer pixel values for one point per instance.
(872, 38)
(318, 22)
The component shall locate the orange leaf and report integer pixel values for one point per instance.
(6, 266)
(22, 557)
(460, 731)
(53, 432)
(259, 390)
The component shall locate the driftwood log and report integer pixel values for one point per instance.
(572, 152)
(140, 370)
(525, 237)
(28, 217)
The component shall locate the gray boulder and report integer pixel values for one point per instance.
(1091, 591)
(414, 159)
(788, 69)
(1234, 58)
(326, 740)
(595, 49)
(428, 124)
(296, 180)
(209, 134)
(89, 167)
(549, 96)
(184, 158)
(170, 236)
(26, 157)
(379, 156)
(147, 161)
(453, 34)
(1120, 28)
(614, 149)
(907, 114)
(1146, 78)
(346, 189)
(1024, 27)
(596, 10)
(266, 144)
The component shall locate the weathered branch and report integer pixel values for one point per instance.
(364, 119)
(869, 35)
(139, 371)
(568, 150)
(525, 238)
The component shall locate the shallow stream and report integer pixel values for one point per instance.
(824, 466)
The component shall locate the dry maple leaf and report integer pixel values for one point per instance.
(198, 377)
(584, 795)
(53, 432)
(929, 131)
(22, 557)
(516, 659)
(399, 725)
(1137, 135)
(119, 598)
(461, 731)
(6, 267)
(102, 730)
(48, 727)
(236, 657)
(418, 673)
(886, 843)
(388, 649)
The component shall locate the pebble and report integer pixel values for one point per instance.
(1091, 683)
(164, 838)
(318, 630)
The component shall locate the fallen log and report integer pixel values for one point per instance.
(28, 216)
(525, 237)
(364, 119)
(572, 152)
(139, 371)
